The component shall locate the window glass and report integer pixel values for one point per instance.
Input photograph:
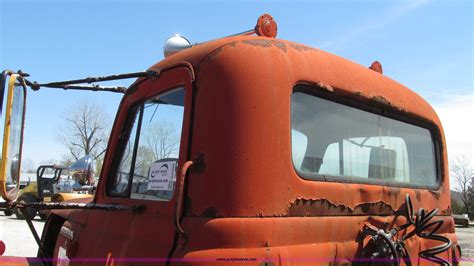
(343, 141)
(158, 147)
(330, 164)
(151, 154)
(300, 142)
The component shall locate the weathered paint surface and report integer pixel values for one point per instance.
(247, 200)
(243, 86)
(323, 207)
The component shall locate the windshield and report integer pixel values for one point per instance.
(335, 140)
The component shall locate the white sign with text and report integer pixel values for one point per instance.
(162, 175)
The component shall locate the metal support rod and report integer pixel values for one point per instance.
(248, 32)
(35, 234)
(75, 83)
(149, 73)
(117, 89)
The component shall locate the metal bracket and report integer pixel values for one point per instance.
(33, 231)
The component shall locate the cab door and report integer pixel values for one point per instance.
(148, 145)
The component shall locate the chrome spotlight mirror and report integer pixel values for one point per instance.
(175, 44)
(83, 170)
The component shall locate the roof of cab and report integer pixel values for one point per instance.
(306, 64)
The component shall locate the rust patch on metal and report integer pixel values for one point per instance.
(259, 42)
(217, 51)
(325, 86)
(301, 48)
(267, 44)
(322, 207)
(392, 191)
(214, 53)
(382, 100)
(281, 45)
(320, 84)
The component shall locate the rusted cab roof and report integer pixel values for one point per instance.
(242, 125)
(311, 64)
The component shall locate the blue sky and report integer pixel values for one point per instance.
(425, 45)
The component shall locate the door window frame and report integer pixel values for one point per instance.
(138, 93)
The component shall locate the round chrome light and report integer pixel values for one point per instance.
(175, 44)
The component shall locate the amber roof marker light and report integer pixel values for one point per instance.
(266, 27)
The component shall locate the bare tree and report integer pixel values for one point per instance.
(85, 130)
(28, 166)
(162, 140)
(463, 173)
(159, 140)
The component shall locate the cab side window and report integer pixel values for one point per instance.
(335, 141)
(150, 156)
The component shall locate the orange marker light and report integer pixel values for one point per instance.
(266, 26)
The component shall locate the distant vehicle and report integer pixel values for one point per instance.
(462, 219)
(283, 154)
(57, 187)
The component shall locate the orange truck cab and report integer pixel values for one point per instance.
(251, 149)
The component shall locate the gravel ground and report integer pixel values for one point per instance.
(17, 236)
(20, 242)
(466, 240)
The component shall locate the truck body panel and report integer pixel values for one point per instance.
(247, 200)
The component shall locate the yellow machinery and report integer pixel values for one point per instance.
(57, 187)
